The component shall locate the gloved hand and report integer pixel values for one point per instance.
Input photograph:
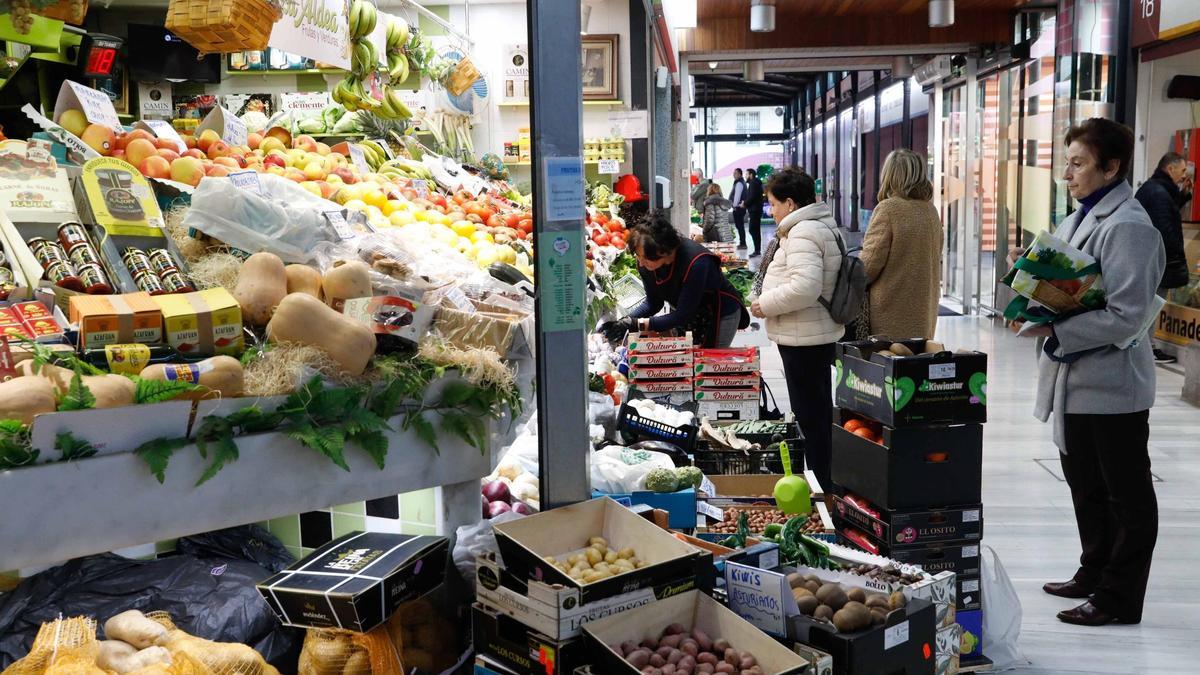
(615, 331)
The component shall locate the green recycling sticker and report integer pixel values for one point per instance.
(561, 277)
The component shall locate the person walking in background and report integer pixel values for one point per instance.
(714, 213)
(1163, 195)
(737, 195)
(901, 251)
(800, 267)
(700, 191)
(1100, 394)
(754, 207)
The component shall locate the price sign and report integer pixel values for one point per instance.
(610, 166)
(421, 187)
(235, 130)
(247, 180)
(97, 107)
(360, 160)
(758, 596)
(163, 129)
(338, 220)
(710, 511)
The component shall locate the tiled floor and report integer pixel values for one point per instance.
(1030, 523)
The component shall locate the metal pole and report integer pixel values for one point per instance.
(556, 115)
(837, 148)
(968, 251)
(906, 134)
(878, 80)
(641, 84)
(856, 146)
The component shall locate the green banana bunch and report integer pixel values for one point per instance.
(364, 58)
(377, 150)
(374, 156)
(408, 168)
(397, 34)
(397, 66)
(362, 19)
(393, 108)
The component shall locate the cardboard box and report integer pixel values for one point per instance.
(752, 394)
(641, 373)
(962, 558)
(485, 666)
(553, 609)
(355, 582)
(736, 360)
(970, 595)
(41, 321)
(204, 322)
(904, 644)
(683, 386)
(728, 411)
(1178, 324)
(524, 543)
(913, 527)
(946, 646)
(914, 467)
(680, 505)
(673, 358)
(694, 610)
(751, 488)
(110, 431)
(726, 381)
(650, 343)
(33, 189)
(971, 634)
(116, 319)
(514, 646)
(915, 390)
(120, 199)
(819, 662)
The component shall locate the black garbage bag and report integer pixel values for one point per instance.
(207, 588)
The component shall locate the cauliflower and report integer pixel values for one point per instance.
(662, 480)
(689, 476)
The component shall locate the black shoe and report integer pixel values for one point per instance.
(1163, 357)
(755, 254)
(741, 247)
(1088, 614)
(1068, 589)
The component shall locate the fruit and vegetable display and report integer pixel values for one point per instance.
(597, 562)
(849, 610)
(680, 651)
(758, 519)
(509, 488)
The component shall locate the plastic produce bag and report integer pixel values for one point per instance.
(208, 592)
(1002, 614)
(620, 470)
(286, 219)
(472, 541)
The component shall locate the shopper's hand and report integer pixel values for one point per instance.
(615, 331)
(1187, 184)
(756, 310)
(1014, 255)
(1043, 330)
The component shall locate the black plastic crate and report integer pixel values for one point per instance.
(634, 427)
(790, 431)
(741, 462)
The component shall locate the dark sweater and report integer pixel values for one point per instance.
(1163, 199)
(693, 283)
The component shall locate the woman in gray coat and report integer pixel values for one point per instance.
(1099, 394)
(714, 213)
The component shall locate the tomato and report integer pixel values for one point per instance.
(495, 221)
(522, 234)
(512, 220)
(614, 226)
(616, 240)
(610, 383)
(601, 219)
(525, 226)
(439, 199)
(601, 239)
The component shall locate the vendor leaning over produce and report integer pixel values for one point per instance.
(1099, 392)
(688, 277)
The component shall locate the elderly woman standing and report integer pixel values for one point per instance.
(1100, 394)
(902, 249)
(713, 213)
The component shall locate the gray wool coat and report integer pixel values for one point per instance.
(1106, 380)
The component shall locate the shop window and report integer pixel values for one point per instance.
(747, 123)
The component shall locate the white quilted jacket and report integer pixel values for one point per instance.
(804, 268)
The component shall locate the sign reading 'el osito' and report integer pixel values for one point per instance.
(316, 29)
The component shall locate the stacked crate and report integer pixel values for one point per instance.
(661, 367)
(907, 463)
(728, 383)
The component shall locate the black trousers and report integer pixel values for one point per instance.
(739, 221)
(810, 391)
(756, 226)
(1107, 466)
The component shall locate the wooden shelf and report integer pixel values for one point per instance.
(525, 104)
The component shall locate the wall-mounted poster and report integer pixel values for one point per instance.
(515, 83)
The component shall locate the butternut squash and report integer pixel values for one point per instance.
(261, 284)
(345, 280)
(304, 319)
(23, 397)
(111, 391)
(220, 376)
(303, 279)
(58, 376)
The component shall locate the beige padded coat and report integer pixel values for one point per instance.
(902, 254)
(804, 269)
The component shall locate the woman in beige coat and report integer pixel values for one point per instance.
(902, 251)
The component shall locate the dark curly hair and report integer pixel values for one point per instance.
(792, 183)
(655, 236)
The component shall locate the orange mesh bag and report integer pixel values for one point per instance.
(62, 647)
(332, 651)
(198, 656)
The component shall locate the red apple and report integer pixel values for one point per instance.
(206, 139)
(189, 141)
(217, 149)
(274, 160)
(217, 171)
(346, 175)
(195, 153)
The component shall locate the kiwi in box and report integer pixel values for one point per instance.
(571, 545)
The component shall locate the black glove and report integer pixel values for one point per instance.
(615, 331)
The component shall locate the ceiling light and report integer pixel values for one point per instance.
(941, 13)
(712, 65)
(762, 16)
(752, 71)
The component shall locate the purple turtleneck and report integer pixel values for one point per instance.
(1086, 204)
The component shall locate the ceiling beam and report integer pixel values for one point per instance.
(883, 52)
(764, 88)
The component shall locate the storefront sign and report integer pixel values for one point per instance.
(1155, 20)
(515, 85)
(1178, 324)
(154, 98)
(306, 104)
(315, 29)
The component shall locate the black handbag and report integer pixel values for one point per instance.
(767, 410)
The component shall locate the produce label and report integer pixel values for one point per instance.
(127, 359)
(337, 220)
(896, 635)
(316, 29)
(163, 129)
(610, 166)
(187, 372)
(247, 180)
(97, 107)
(760, 597)
(360, 160)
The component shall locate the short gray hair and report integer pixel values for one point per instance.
(1169, 159)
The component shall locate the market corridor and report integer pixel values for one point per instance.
(1028, 518)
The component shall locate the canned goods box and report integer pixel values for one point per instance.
(111, 319)
(204, 322)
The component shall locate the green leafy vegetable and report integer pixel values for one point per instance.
(157, 391)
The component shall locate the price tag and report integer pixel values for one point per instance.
(97, 107)
(235, 129)
(455, 296)
(359, 159)
(387, 149)
(970, 551)
(247, 180)
(971, 516)
(942, 371)
(610, 166)
(8, 368)
(163, 129)
(896, 635)
(707, 487)
(421, 187)
(759, 597)
(338, 220)
(710, 511)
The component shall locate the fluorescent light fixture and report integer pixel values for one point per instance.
(682, 13)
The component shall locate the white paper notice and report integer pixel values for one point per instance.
(564, 193)
(896, 635)
(163, 129)
(338, 220)
(235, 129)
(629, 123)
(316, 29)
(360, 160)
(421, 187)
(96, 106)
(758, 597)
(610, 166)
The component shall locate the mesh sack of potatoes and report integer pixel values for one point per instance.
(62, 647)
(205, 657)
(331, 651)
(426, 640)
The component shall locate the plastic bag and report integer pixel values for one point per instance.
(1002, 614)
(620, 470)
(342, 652)
(209, 594)
(286, 219)
(472, 541)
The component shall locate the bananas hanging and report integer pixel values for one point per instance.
(352, 92)
(363, 17)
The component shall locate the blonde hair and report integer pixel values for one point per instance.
(903, 176)
(714, 189)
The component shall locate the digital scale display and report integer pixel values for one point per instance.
(99, 55)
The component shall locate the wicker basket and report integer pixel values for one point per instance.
(223, 26)
(64, 11)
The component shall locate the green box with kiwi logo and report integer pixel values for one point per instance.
(911, 382)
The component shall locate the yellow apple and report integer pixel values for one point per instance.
(73, 121)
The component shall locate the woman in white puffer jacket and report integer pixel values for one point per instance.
(800, 267)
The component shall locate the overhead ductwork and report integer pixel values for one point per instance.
(941, 13)
(752, 71)
(762, 16)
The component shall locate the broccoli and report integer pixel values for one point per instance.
(662, 480)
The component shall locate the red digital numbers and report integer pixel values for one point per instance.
(100, 61)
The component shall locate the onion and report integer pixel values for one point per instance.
(497, 492)
(496, 508)
(484, 501)
(523, 509)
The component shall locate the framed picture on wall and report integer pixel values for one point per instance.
(600, 58)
